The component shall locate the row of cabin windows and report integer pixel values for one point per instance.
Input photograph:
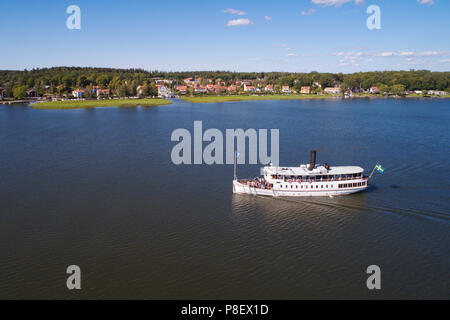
(318, 178)
(306, 187)
(352, 185)
(341, 186)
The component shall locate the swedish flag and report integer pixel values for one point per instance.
(380, 169)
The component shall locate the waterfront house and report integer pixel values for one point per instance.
(201, 89)
(269, 88)
(163, 91)
(95, 89)
(437, 93)
(78, 94)
(181, 89)
(305, 90)
(374, 90)
(286, 89)
(102, 92)
(248, 88)
(332, 90)
(232, 88)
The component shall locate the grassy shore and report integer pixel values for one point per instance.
(427, 97)
(211, 99)
(87, 104)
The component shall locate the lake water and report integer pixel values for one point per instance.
(97, 188)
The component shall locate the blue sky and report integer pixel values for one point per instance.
(289, 35)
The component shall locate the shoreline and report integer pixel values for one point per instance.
(216, 99)
(130, 103)
(212, 99)
(90, 104)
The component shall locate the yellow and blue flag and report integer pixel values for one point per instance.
(380, 168)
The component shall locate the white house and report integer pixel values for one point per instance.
(286, 89)
(269, 88)
(78, 94)
(181, 89)
(163, 91)
(334, 90)
(437, 93)
(248, 88)
(374, 90)
(201, 89)
(306, 90)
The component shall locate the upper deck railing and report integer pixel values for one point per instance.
(324, 180)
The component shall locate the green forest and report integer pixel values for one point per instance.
(124, 82)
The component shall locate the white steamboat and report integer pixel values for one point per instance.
(304, 181)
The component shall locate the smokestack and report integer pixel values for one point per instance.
(312, 164)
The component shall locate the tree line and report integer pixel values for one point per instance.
(124, 82)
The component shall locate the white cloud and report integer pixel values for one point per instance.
(336, 3)
(308, 12)
(356, 58)
(344, 62)
(268, 18)
(239, 22)
(404, 54)
(291, 55)
(432, 53)
(429, 2)
(234, 11)
(351, 54)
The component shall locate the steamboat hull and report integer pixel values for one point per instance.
(306, 190)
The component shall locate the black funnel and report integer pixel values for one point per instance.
(312, 163)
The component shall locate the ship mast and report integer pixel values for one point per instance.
(235, 163)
